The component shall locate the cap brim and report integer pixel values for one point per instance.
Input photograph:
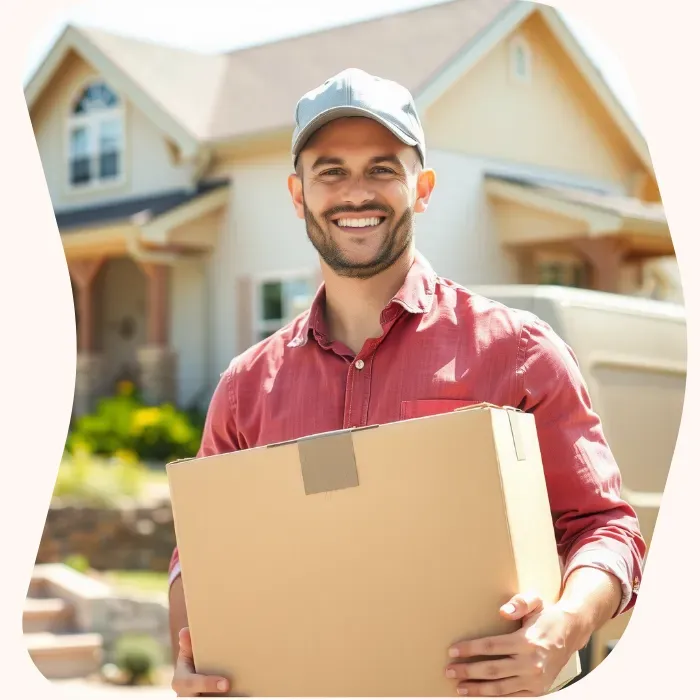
(334, 113)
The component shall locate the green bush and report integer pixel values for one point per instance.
(124, 423)
(82, 477)
(137, 656)
(78, 562)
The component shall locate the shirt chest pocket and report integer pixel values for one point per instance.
(421, 408)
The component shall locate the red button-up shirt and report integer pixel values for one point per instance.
(442, 347)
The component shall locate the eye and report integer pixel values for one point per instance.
(382, 170)
(333, 172)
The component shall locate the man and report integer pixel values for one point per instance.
(386, 338)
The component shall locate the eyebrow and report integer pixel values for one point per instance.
(332, 160)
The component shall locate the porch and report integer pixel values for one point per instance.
(577, 237)
(121, 260)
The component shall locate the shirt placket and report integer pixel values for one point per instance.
(359, 378)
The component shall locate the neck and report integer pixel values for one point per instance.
(354, 306)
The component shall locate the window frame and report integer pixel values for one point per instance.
(260, 325)
(568, 267)
(93, 121)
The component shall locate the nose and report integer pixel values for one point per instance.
(357, 192)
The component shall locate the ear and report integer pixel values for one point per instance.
(297, 192)
(424, 190)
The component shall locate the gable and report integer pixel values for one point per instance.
(147, 162)
(552, 120)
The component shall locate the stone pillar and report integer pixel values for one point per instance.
(606, 256)
(158, 367)
(89, 377)
(89, 382)
(157, 360)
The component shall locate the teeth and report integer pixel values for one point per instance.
(359, 223)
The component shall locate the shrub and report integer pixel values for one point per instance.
(137, 656)
(78, 562)
(124, 423)
(83, 478)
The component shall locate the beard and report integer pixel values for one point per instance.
(396, 242)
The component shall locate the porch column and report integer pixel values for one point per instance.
(157, 359)
(89, 366)
(606, 257)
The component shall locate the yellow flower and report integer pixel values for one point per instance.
(146, 417)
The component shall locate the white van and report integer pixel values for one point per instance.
(632, 354)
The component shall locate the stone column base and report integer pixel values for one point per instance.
(158, 367)
(89, 380)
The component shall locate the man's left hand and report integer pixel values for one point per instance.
(528, 660)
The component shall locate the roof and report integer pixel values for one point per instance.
(185, 83)
(409, 47)
(224, 96)
(216, 98)
(129, 210)
(600, 200)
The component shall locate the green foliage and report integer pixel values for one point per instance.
(90, 481)
(138, 581)
(124, 423)
(78, 562)
(137, 656)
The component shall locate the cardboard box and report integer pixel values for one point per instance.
(346, 564)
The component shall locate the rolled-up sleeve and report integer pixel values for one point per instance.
(219, 436)
(594, 526)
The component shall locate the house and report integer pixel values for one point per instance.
(167, 172)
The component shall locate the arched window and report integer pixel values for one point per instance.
(96, 137)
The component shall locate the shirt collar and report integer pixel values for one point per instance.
(415, 295)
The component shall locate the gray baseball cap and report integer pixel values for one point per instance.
(354, 93)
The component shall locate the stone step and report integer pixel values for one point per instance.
(65, 655)
(46, 615)
(37, 587)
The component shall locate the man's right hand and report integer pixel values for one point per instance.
(187, 683)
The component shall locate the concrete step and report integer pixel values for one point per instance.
(46, 615)
(65, 655)
(37, 587)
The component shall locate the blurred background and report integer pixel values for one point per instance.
(164, 131)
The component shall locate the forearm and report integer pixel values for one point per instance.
(178, 614)
(591, 597)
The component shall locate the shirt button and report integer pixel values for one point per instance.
(359, 364)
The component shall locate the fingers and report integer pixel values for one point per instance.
(186, 682)
(490, 670)
(492, 689)
(185, 643)
(521, 605)
(191, 685)
(501, 645)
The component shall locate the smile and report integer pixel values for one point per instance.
(366, 223)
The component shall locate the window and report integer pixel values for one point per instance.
(278, 301)
(520, 60)
(96, 138)
(562, 274)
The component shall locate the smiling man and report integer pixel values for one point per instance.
(368, 351)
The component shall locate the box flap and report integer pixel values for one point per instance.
(518, 440)
(515, 429)
(180, 461)
(485, 404)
